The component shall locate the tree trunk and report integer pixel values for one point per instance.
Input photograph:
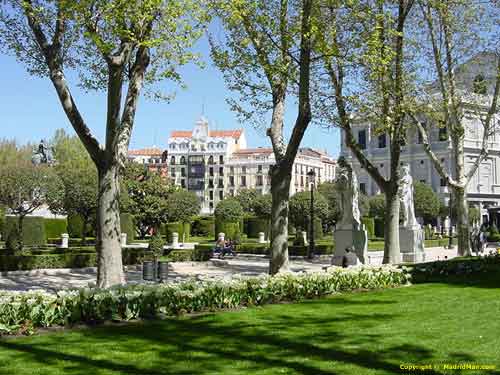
(462, 212)
(280, 191)
(109, 252)
(392, 252)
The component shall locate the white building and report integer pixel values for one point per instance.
(484, 188)
(153, 158)
(214, 164)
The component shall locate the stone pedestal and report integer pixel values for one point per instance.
(262, 237)
(175, 240)
(350, 237)
(64, 240)
(304, 238)
(123, 239)
(411, 242)
(221, 236)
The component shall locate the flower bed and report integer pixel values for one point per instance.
(24, 312)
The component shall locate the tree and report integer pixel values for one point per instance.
(182, 206)
(300, 209)
(246, 197)
(116, 46)
(25, 187)
(78, 175)
(363, 53)
(265, 56)
(427, 202)
(145, 195)
(451, 33)
(377, 206)
(328, 190)
(229, 210)
(262, 206)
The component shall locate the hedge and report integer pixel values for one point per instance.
(254, 225)
(24, 312)
(230, 230)
(55, 227)
(75, 226)
(127, 225)
(33, 231)
(187, 255)
(2, 219)
(378, 223)
(183, 229)
(203, 226)
(369, 224)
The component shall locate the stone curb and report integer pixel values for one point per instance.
(49, 271)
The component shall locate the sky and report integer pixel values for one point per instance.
(30, 110)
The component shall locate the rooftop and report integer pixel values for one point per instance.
(235, 133)
(152, 151)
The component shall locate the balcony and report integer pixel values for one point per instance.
(196, 186)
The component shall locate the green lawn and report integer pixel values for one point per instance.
(360, 333)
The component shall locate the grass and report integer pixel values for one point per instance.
(455, 321)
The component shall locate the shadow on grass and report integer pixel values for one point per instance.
(300, 339)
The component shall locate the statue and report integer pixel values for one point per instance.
(406, 197)
(347, 186)
(43, 155)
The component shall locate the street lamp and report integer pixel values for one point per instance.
(310, 253)
(450, 232)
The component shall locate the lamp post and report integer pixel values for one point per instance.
(450, 232)
(310, 253)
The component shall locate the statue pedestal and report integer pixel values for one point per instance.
(350, 237)
(411, 242)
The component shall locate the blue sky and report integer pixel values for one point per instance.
(30, 110)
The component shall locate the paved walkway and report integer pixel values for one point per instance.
(53, 280)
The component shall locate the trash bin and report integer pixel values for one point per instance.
(148, 273)
(163, 271)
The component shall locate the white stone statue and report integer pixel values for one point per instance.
(347, 187)
(406, 197)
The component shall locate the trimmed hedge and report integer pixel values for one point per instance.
(378, 223)
(2, 220)
(75, 226)
(231, 230)
(55, 227)
(254, 225)
(187, 255)
(127, 225)
(33, 231)
(203, 226)
(183, 229)
(318, 229)
(369, 224)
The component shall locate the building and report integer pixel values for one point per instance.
(484, 188)
(215, 164)
(153, 158)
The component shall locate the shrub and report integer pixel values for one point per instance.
(76, 226)
(127, 225)
(183, 229)
(203, 226)
(254, 225)
(33, 232)
(155, 245)
(55, 227)
(2, 219)
(494, 235)
(38, 309)
(369, 224)
(318, 229)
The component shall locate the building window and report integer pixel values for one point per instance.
(423, 181)
(382, 165)
(362, 187)
(211, 205)
(172, 172)
(231, 192)
(221, 159)
(211, 195)
(183, 172)
(479, 86)
(243, 170)
(243, 181)
(221, 195)
(211, 171)
(172, 160)
(210, 159)
(442, 182)
(382, 141)
(211, 183)
(422, 162)
(183, 183)
(231, 180)
(183, 160)
(259, 169)
(221, 183)
(302, 181)
(362, 139)
(231, 169)
(221, 171)
(260, 181)
(443, 133)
